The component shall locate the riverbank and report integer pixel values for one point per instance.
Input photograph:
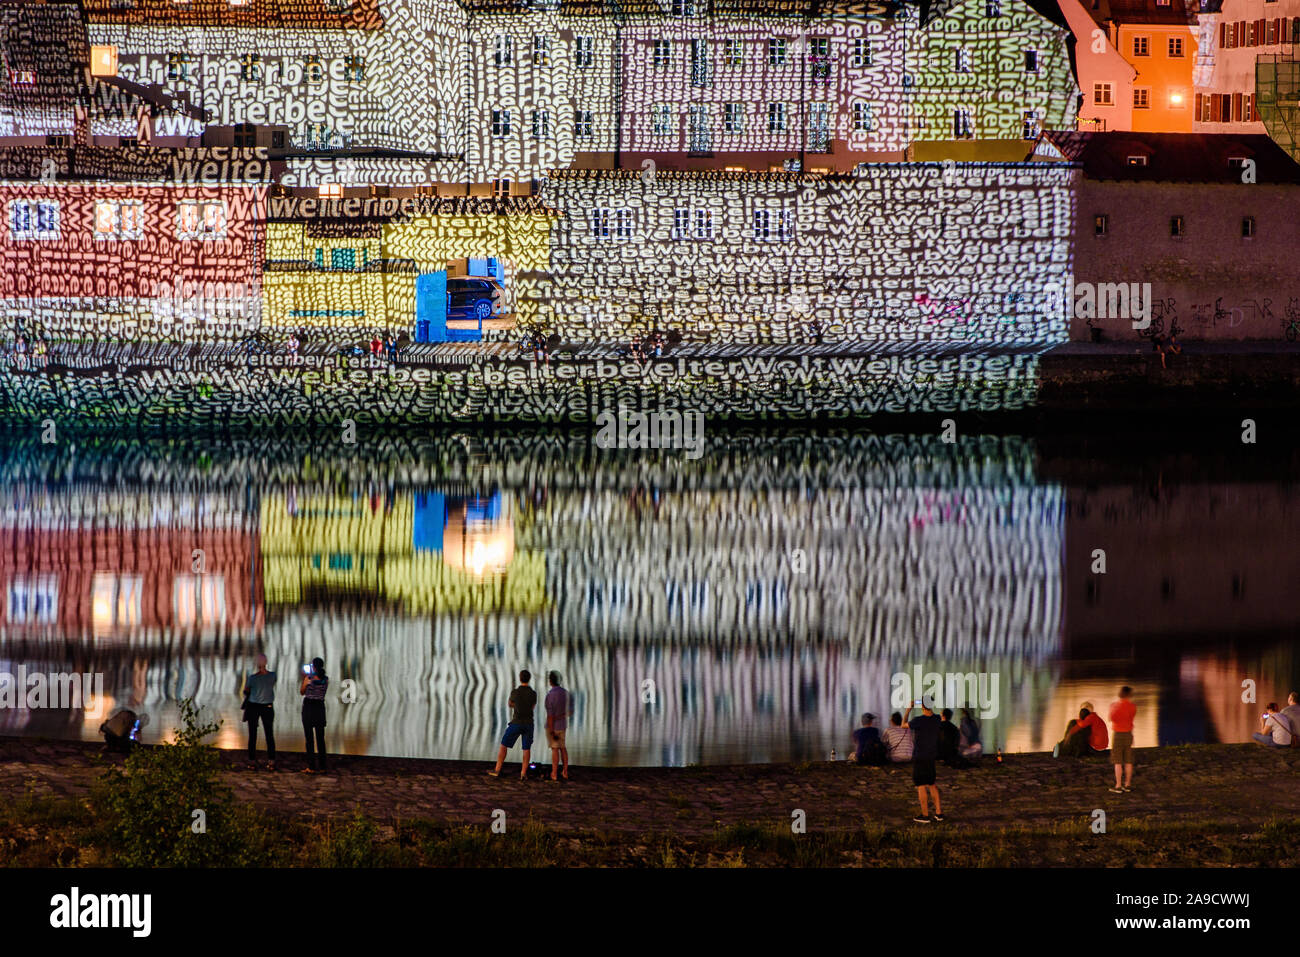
(169, 387)
(1192, 805)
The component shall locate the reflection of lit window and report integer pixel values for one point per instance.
(199, 599)
(115, 600)
(34, 601)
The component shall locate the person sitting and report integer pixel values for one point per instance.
(119, 731)
(869, 749)
(970, 747)
(950, 741)
(898, 740)
(1085, 735)
(1274, 728)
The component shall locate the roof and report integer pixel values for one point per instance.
(654, 9)
(1144, 12)
(123, 164)
(49, 40)
(307, 14)
(1174, 157)
(399, 209)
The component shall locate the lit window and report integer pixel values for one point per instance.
(1137, 161)
(1248, 227)
(504, 50)
(250, 67)
(331, 191)
(201, 219)
(733, 117)
(733, 53)
(661, 54)
(1100, 224)
(103, 61)
(1177, 228)
(776, 117)
(119, 219)
(198, 600)
(34, 219)
(541, 51)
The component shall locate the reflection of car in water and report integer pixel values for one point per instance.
(474, 298)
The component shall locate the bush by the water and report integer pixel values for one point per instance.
(150, 805)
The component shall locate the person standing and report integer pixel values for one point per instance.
(925, 751)
(523, 701)
(314, 685)
(559, 709)
(259, 705)
(1122, 714)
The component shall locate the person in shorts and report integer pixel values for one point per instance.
(523, 702)
(925, 752)
(559, 709)
(1122, 713)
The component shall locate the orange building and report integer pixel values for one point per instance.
(1136, 61)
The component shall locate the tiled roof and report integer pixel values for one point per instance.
(654, 9)
(314, 14)
(1142, 11)
(1175, 157)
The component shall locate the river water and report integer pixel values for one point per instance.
(743, 606)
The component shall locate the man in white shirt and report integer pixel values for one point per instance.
(1274, 728)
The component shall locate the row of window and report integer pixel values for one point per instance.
(1142, 46)
(664, 119)
(963, 124)
(183, 66)
(962, 60)
(1207, 108)
(116, 219)
(1262, 32)
(619, 223)
(1177, 225)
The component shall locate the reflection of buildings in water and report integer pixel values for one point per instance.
(88, 560)
(1063, 704)
(1193, 560)
(921, 571)
(1212, 683)
(425, 551)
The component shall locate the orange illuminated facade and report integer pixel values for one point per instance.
(1137, 62)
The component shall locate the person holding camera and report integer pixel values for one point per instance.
(314, 685)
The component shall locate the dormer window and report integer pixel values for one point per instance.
(1137, 161)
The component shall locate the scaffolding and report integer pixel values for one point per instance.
(1277, 97)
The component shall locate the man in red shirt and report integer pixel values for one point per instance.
(1085, 736)
(1122, 713)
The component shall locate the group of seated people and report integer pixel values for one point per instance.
(959, 747)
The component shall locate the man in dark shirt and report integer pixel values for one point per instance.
(868, 748)
(523, 700)
(949, 740)
(925, 751)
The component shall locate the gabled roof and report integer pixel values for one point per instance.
(1171, 13)
(305, 14)
(1173, 157)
